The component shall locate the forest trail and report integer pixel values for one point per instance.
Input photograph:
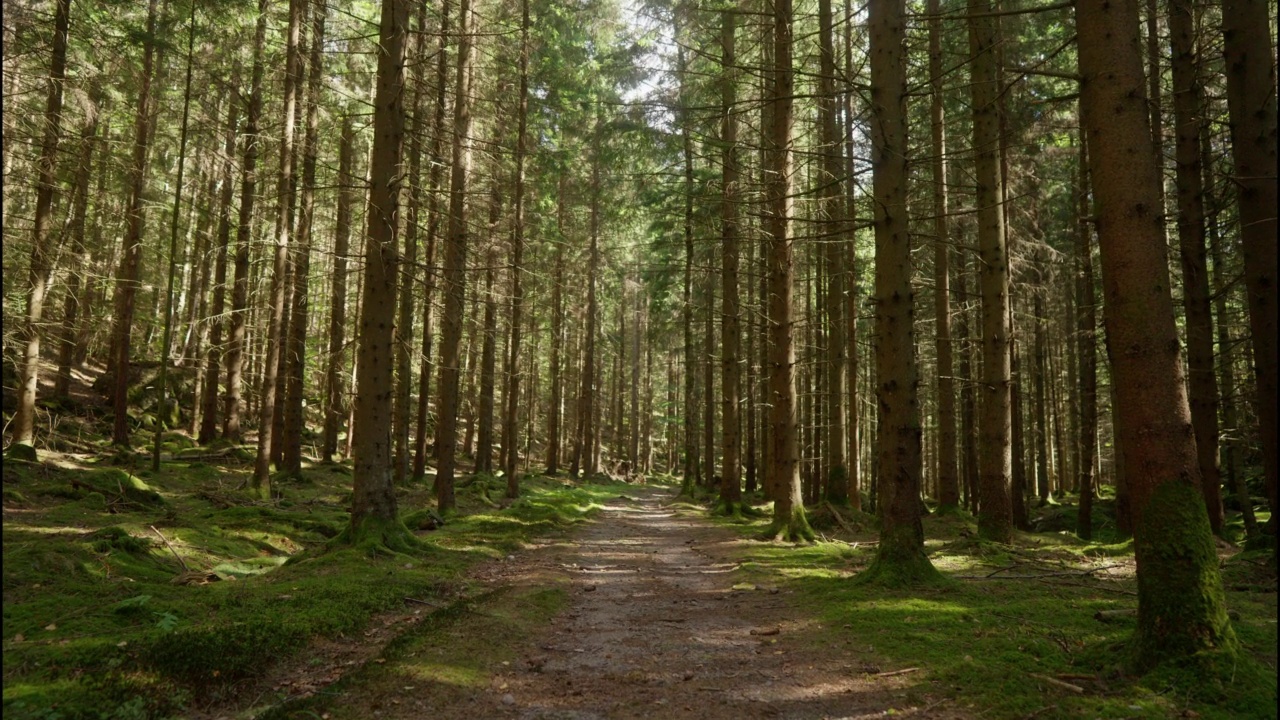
(656, 628)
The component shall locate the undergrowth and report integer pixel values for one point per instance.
(1013, 619)
(132, 594)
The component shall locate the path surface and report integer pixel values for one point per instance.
(655, 629)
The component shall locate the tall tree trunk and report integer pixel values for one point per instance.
(333, 394)
(901, 555)
(556, 411)
(1040, 350)
(789, 519)
(1086, 348)
(511, 394)
(131, 249)
(587, 423)
(244, 231)
(42, 252)
(730, 335)
(70, 340)
(1180, 599)
(995, 520)
(455, 262)
(832, 224)
(1188, 108)
(373, 503)
(1251, 100)
(412, 191)
(213, 362)
(286, 190)
(686, 141)
(968, 412)
(1221, 289)
(426, 366)
(163, 415)
(948, 481)
(484, 444)
(296, 347)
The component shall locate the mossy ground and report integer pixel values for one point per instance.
(982, 642)
(96, 627)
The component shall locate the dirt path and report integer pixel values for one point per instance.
(655, 629)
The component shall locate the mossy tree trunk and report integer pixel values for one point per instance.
(1181, 612)
(213, 363)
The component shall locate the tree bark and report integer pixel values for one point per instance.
(426, 366)
(1180, 599)
(1251, 100)
(948, 481)
(373, 503)
(455, 262)
(244, 231)
(296, 344)
(901, 557)
(730, 334)
(511, 395)
(1188, 108)
(131, 249)
(70, 346)
(333, 394)
(995, 520)
(1086, 348)
(286, 189)
(789, 521)
(556, 411)
(42, 252)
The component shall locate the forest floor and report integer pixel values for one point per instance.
(132, 594)
(657, 624)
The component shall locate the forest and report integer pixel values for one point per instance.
(639, 358)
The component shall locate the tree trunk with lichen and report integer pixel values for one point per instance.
(1181, 612)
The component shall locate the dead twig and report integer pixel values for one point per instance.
(1082, 573)
(891, 673)
(170, 546)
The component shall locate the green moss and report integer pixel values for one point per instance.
(900, 562)
(1182, 615)
(793, 528)
(22, 452)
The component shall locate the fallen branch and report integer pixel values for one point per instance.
(1059, 683)
(891, 673)
(1083, 573)
(170, 546)
(1113, 615)
(428, 603)
(839, 519)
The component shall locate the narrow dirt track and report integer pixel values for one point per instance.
(655, 629)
